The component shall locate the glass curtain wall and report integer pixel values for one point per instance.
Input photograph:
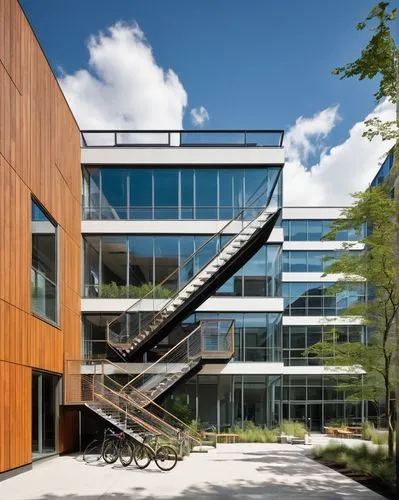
(320, 299)
(226, 401)
(129, 266)
(315, 230)
(319, 400)
(257, 335)
(301, 261)
(297, 338)
(111, 193)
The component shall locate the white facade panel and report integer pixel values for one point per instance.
(181, 156)
(321, 245)
(169, 227)
(322, 370)
(312, 212)
(321, 320)
(213, 304)
(243, 368)
(305, 277)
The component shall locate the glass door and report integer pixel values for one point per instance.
(45, 402)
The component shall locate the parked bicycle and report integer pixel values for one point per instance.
(164, 456)
(110, 448)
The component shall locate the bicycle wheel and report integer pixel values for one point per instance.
(126, 452)
(166, 458)
(110, 453)
(93, 451)
(142, 456)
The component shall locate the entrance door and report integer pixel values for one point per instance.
(44, 414)
(315, 417)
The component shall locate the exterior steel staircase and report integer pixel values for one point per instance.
(128, 401)
(93, 383)
(212, 339)
(131, 407)
(150, 319)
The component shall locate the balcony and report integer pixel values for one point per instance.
(182, 138)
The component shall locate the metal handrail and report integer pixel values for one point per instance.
(135, 405)
(200, 328)
(244, 142)
(174, 348)
(216, 235)
(142, 395)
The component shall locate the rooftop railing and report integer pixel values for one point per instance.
(182, 138)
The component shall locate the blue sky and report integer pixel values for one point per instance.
(251, 64)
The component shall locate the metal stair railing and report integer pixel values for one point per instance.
(130, 413)
(141, 320)
(86, 379)
(212, 338)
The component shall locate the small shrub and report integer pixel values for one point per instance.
(379, 437)
(293, 428)
(371, 461)
(251, 433)
(114, 291)
(367, 430)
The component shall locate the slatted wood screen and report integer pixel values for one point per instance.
(39, 156)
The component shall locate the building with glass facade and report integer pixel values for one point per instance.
(148, 208)
(188, 221)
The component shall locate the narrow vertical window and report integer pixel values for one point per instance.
(44, 270)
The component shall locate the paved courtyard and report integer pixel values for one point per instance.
(236, 471)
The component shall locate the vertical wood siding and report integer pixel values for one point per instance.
(40, 157)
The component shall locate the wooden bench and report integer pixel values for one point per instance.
(227, 438)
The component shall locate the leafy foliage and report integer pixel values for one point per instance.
(379, 55)
(374, 462)
(178, 406)
(114, 291)
(376, 263)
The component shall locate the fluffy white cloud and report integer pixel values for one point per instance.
(344, 169)
(199, 116)
(124, 86)
(305, 138)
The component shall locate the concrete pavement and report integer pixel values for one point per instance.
(231, 472)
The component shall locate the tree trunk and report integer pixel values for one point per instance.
(388, 410)
(395, 166)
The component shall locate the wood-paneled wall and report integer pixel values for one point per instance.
(40, 157)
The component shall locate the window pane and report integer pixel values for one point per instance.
(186, 260)
(166, 261)
(140, 264)
(141, 194)
(91, 193)
(256, 187)
(255, 275)
(315, 230)
(205, 249)
(298, 262)
(114, 193)
(114, 266)
(286, 227)
(315, 262)
(187, 193)
(206, 193)
(273, 270)
(298, 230)
(230, 192)
(92, 266)
(44, 274)
(166, 194)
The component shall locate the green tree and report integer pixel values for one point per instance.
(380, 58)
(376, 265)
